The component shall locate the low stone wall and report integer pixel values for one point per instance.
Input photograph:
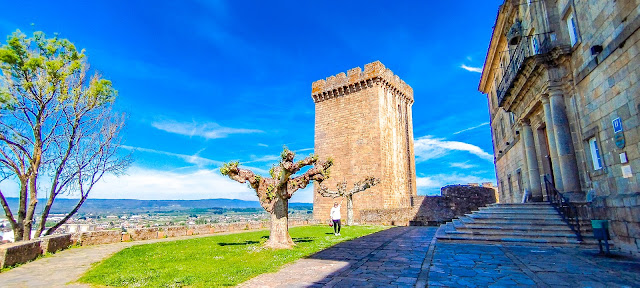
(174, 231)
(456, 200)
(143, 233)
(200, 229)
(397, 216)
(20, 252)
(99, 237)
(55, 243)
(623, 213)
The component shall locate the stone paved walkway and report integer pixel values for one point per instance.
(407, 257)
(473, 265)
(390, 258)
(397, 257)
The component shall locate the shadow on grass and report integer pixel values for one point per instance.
(239, 243)
(303, 239)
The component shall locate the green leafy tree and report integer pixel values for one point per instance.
(58, 133)
(342, 191)
(274, 193)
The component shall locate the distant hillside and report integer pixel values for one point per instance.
(105, 206)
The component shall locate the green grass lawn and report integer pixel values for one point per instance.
(222, 260)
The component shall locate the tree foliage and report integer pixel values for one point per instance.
(275, 192)
(58, 133)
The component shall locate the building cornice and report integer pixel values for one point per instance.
(492, 51)
(356, 80)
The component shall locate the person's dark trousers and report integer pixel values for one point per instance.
(336, 226)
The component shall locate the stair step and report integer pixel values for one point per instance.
(519, 223)
(519, 242)
(514, 217)
(530, 204)
(516, 213)
(516, 238)
(513, 234)
(518, 209)
(513, 228)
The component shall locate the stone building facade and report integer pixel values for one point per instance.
(561, 79)
(363, 121)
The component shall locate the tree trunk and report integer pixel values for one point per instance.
(349, 209)
(279, 237)
(33, 201)
(67, 217)
(45, 215)
(22, 210)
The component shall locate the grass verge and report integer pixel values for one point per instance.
(223, 260)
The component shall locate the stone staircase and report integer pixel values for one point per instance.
(525, 224)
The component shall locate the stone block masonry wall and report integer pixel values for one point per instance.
(16, 253)
(144, 233)
(98, 237)
(456, 200)
(174, 231)
(363, 121)
(623, 213)
(55, 243)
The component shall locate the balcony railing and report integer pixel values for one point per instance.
(528, 46)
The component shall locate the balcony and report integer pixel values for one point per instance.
(528, 47)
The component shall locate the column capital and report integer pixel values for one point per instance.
(555, 90)
(524, 122)
(545, 98)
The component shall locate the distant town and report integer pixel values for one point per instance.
(107, 214)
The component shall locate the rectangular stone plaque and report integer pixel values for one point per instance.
(626, 171)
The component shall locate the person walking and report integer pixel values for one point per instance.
(335, 217)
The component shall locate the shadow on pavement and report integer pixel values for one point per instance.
(392, 257)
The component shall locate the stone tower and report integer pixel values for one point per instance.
(364, 122)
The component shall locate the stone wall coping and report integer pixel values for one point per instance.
(355, 80)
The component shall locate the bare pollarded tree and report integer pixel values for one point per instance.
(274, 193)
(58, 132)
(341, 191)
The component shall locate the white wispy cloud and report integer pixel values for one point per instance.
(192, 159)
(207, 130)
(265, 158)
(431, 183)
(153, 184)
(462, 165)
(263, 145)
(471, 128)
(427, 148)
(471, 69)
(148, 184)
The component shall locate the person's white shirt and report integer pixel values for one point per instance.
(335, 213)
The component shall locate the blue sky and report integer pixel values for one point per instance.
(205, 82)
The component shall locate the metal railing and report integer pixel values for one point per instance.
(528, 46)
(568, 211)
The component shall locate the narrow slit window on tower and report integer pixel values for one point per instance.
(595, 154)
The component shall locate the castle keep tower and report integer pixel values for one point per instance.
(363, 121)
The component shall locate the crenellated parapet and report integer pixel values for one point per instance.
(375, 73)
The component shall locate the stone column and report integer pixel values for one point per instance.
(564, 143)
(532, 162)
(553, 152)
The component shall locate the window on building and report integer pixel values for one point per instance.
(595, 154)
(502, 131)
(573, 29)
(534, 44)
(510, 185)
